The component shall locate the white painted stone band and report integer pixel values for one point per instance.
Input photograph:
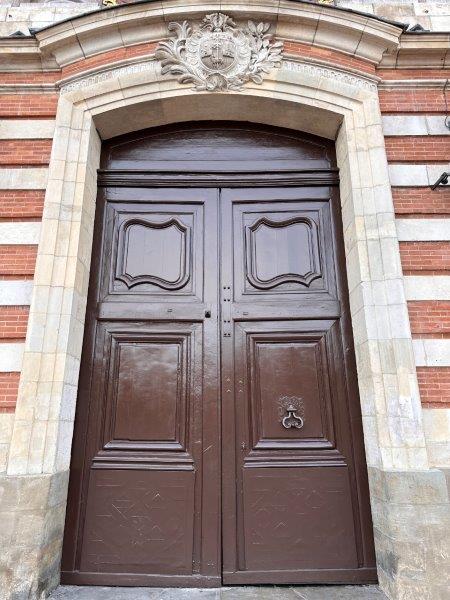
(436, 422)
(16, 292)
(24, 179)
(401, 175)
(26, 129)
(432, 352)
(427, 287)
(400, 125)
(11, 357)
(20, 233)
(421, 230)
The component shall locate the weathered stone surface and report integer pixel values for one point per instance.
(236, 593)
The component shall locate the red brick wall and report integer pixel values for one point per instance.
(17, 261)
(13, 322)
(419, 100)
(429, 318)
(28, 105)
(421, 149)
(421, 202)
(425, 258)
(21, 204)
(9, 385)
(434, 386)
(25, 152)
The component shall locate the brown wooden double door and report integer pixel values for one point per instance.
(218, 433)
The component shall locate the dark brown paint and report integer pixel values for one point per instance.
(217, 298)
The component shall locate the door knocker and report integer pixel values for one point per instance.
(291, 411)
(292, 419)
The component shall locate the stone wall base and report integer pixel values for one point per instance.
(411, 509)
(412, 541)
(32, 513)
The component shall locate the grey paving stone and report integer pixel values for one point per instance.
(266, 592)
(339, 592)
(73, 592)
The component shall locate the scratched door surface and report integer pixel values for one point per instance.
(218, 435)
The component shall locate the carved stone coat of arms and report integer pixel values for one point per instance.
(219, 56)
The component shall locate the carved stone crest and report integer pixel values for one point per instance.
(219, 55)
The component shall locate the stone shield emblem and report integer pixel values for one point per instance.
(218, 55)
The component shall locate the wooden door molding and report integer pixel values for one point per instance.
(144, 496)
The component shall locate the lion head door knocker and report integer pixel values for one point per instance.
(291, 411)
(218, 55)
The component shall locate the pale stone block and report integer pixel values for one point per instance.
(432, 352)
(11, 355)
(23, 129)
(436, 125)
(423, 230)
(18, 454)
(437, 424)
(31, 365)
(15, 293)
(17, 233)
(440, 23)
(6, 427)
(399, 321)
(37, 447)
(401, 125)
(427, 287)
(408, 175)
(47, 367)
(29, 178)
(435, 171)
(392, 268)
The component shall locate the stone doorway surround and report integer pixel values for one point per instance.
(409, 499)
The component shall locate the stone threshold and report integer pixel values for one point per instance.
(323, 592)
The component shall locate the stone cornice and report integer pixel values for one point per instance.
(420, 50)
(353, 33)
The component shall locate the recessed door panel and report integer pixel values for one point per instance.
(139, 522)
(286, 372)
(282, 250)
(298, 521)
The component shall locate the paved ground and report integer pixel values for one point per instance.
(365, 592)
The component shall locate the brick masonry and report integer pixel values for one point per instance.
(417, 100)
(431, 148)
(25, 152)
(419, 201)
(426, 258)
(17, 260)
(434, 385)
(13, 322)
(431, 317)
(28, 105)
(9, 385)
(21, 204)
